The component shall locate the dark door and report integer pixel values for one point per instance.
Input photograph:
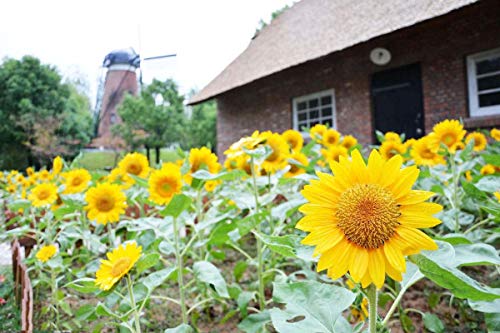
(397, 101)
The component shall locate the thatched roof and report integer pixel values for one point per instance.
(314, 28)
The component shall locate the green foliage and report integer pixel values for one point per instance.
(40, 117)
(155, 118)
(200, 127)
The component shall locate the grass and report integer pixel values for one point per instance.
(10, 314)
(100, 160)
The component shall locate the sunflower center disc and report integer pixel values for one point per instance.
(43, 195)
(367, 215)
(120, 266)
(165, 188)
(105, 204)
(76, 181)
(134, 169)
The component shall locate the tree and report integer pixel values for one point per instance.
(40, 117)
(201, 125)
(154, 119)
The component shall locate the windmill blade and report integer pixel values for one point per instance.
(160, 57)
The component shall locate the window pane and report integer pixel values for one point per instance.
(302, 117)
(301, 106)
(488, 65)
(489, 99)
(313, 103)
(327, 123)
(314, 114)
(326, 112)
(489, 82)
(312, 123)
(327, 100)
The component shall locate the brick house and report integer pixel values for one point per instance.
(364, 65)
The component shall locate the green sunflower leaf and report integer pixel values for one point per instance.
(311, 307)
(436, 266)
(177, 205)
(208, 273)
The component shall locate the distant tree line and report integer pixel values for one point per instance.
(40, 115)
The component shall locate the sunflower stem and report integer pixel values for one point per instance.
(180, 269)
(53, 280)
(132, 301)
(454, 198)
(111, 235)
(371, 293)
(260, 259)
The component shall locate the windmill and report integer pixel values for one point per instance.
(120, 68)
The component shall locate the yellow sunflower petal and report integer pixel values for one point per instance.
(417, 239)
(359, 263)
(394, 256)
(376, 267)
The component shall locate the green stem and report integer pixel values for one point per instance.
(111, 235)
(260, 258)
(454, 180)
(371, 293)
(199, 217)
(180, 269)
(53, 280)
(477, 225)
(132, 301)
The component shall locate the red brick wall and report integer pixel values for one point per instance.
(440, 46)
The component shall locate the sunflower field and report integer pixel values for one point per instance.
(287, 235)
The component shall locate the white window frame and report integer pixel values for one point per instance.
(318, 95)
(474, 108)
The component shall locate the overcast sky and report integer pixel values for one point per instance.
(76, 35)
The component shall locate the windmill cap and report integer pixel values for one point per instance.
(125, 57)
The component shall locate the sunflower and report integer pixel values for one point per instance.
(277, 160)
(46, 252)
(316, 132)
(390, 148)
(479, 138)
(497, 195)
(392, 136)
(135, 164)
(105, 203)
(201, 159)
(297, 158)
(210, 185)
(57, 165)
(30, 171)
(423, 152)
(409, 143)
(449, 133)
(294, 139)
(365, 218)
(488, 169)
(248, 142)
(44, 176)
(43, 194)
(349, 141)
(76, 180)
(121, 178)
(164, 183)
(120, 262)
(333, 153)
(495, 134)
(331, 138)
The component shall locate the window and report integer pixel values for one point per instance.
(314, 109)
(484, 83)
